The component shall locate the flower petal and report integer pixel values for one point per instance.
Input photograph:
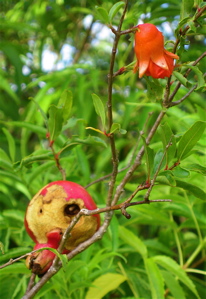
(172, 55)
(159, 59)
(143, 63)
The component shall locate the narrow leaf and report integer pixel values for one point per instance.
(186, 8)
(34, 128)
(40, 110)
(173, 267)
(96, 130)
(114, 10)
(149, 154)
(189, 139)
(55, 122)
(99, 108)
(102, 14)
(154, 89)
(173, 285)
(180, 172)
(117, 127)
(131, 239)
(197, 168)
(65, 102)
(167, 137)
(155, 279)
(104, 284)
(196, 191)
(11, 143)
(199, 74)
(181, 78)
(166, 177)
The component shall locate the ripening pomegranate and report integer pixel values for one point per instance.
(48, 215)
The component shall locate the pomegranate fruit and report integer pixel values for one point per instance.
(48, 215)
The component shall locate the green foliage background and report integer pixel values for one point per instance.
(159, 252)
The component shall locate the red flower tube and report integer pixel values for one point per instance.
(152, 59)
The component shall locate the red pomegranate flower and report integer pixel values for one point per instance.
(152, 59)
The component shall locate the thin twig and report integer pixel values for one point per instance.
(31, 282)
(146, 197)
(130, 160)
(110, 110)
(137, 162)
(183, 98)
(57, 161)
(184, 31)
(12, 261)
(168, 103)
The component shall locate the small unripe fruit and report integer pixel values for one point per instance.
(48, 215)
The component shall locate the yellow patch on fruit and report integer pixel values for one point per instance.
(53, 211)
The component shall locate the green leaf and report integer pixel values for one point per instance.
(199, 74)
(180, 172)
(99, 108)
(22, 124)
(168, 137)
(96, 130)
(104, 284)
(181, 78)
(65, 103)
(67, 149)
(154, 89)
(55, 122)
(189, 139)
(114, 229)
(157, 160)
(11, 143)
(83, 163)
(34, 158)
(90, 140)
(173, 267)
(4, 85)
(196, 191)
(166, 177)
(40, 110)
(149, 154)
(186, 8)
(117, 127)
(102, 14)
(131, 239)
(101, 256)
(173, 285)
(197, 168)
(17, 268)
(155, 279)
(5, 161)
(114, 10)
(13, 253)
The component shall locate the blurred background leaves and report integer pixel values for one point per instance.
(49, 48)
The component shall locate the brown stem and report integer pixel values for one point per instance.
(168, 103)
(31, 282)
(109, 108)
(184, 31)
(137, 161)
(57, 161)
(130, 161)
(146, 197)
